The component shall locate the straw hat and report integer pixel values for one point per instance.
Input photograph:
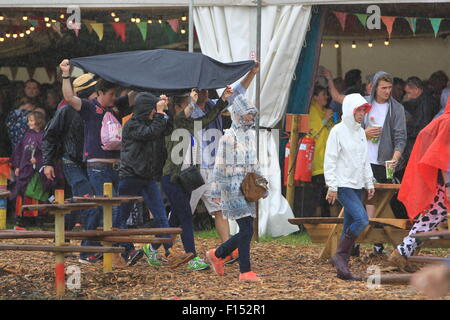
(83, 82)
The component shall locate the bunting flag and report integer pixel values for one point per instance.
(341, 16)
(31, 71)
(98, 28)
(389, 23)
(142, 26)
(174, 23)
(412, 23)
(51, 71)
(120, 28)
(435, 23)
(88, 24)
(168, 30)
(57, 27)
(362, 17)
(14, 72)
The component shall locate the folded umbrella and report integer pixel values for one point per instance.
(163, 71)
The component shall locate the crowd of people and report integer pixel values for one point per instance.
(65, 144)
(366, 131)
(54, 136)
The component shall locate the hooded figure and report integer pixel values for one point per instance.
(393, 134)
(235, 158)
(143, 148)
(346, 163)
(347, 172)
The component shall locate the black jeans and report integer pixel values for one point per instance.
(240, 240)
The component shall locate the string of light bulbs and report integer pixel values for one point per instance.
(354, 45)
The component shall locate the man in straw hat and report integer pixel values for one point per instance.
(63, 140)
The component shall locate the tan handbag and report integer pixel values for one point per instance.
(254, 187)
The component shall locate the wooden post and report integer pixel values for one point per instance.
(3, 202)
(290, 189)
(107, 225)
(59, 241)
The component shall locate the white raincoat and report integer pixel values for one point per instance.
(346, 160)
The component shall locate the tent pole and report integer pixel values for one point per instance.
(191, 26)
(257, 103)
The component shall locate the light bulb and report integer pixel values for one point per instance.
(370, 44)
(8, 35)
(113, 14)
(2, 39)
(25, 18)
(46, 19)
(184, 18)
(133, 20)
(62, 16)
(48, 25)
(116, 19)
(149, 21)
(353, 45)
(138, 20)
(336, 45)
(15, 35)
(21, 34)
(183, 31)
(28, 32)
(386, 42)
(32, 28)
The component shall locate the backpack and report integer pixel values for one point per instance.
(111, 133)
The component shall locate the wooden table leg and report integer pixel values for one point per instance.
(107, 226)
(3, 202)
(332, 241)
(382, 210)
(59, 241)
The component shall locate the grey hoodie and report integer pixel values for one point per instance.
(393, 134)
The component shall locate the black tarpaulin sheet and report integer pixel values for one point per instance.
(163, 70)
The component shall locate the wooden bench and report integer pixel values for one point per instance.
(383, 227)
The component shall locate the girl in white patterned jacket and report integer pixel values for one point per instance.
(235, 158)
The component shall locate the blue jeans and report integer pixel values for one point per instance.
(77, 178)
(151, 193)
(240, 240)
(97, 177)
(355, 215)
(181, 208)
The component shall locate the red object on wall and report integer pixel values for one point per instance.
(303, 165)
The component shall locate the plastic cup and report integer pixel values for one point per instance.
(375, 140)
(389, 169)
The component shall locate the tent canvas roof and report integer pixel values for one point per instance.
(185, 3)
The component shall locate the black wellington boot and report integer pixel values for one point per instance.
(342, 256)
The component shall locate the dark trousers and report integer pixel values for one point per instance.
(181, 208)
(241, 241)
(151, 193)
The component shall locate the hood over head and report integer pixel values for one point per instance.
(375, 80)
(144, 104)
(239, 109)
(349, 105)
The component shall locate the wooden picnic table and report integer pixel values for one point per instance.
(384, 227)
(107, 201)
(59, 209)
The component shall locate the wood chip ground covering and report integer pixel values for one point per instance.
(288, 272)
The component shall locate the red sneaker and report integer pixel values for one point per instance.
(216, 263)
(248, 276)
(232, 258)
